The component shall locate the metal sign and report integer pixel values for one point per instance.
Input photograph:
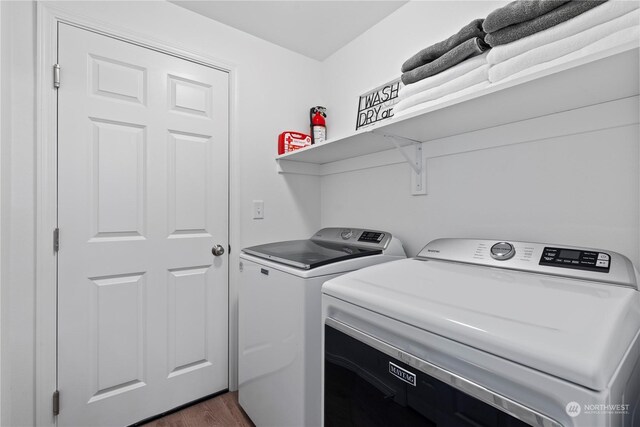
(377, 105)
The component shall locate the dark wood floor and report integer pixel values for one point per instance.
(221, 411)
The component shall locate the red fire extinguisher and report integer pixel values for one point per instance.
(318, 124)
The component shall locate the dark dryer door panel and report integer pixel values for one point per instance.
(365, 387)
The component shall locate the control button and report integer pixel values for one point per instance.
(604, 257)
(346, 234)
(502, 251)
(548, 258)
(602, 263)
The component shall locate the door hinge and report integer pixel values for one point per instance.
(56, 75)
(229, 249)
(56, 240)
(56, 403)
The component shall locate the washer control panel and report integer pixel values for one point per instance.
(370, 239)
(346, 234)
(578, 259)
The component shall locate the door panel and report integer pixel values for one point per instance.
(188, 328)
(142, 199)
(117, 305)
(189, 177)
(118, 179)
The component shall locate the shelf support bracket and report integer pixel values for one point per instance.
(415, 161)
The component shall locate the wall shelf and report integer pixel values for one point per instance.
(593, 79)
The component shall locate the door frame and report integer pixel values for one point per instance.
(48, 18)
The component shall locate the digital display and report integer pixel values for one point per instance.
(370, 236)
(576, 259)
(567, 254)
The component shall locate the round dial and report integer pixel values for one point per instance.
(502, 251)
(346, 234)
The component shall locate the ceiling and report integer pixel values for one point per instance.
(313, 28)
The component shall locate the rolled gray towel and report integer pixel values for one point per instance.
(519, 11)
(469, 48)
(469, 31)
(556, 16)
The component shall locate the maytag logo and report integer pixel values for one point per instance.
(435, 251)
(403, 374)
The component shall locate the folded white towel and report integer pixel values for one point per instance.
(447, 75)
(449, 97)
(620, 38)
(464, 81)
(551, 51)
(591, 18)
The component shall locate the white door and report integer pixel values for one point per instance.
(142, 199)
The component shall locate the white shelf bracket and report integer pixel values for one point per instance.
(415, 161)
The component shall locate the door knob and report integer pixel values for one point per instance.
(217, 250)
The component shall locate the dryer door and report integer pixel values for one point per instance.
(364, 386)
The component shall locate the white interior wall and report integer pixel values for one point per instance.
(18, 220)
(579, 189)
(2, 106)
(375, 57)
(2, 193)
(270, 96)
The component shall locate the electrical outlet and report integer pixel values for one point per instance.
(258, 209)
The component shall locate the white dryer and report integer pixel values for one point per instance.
(280, 322)
(485, 333)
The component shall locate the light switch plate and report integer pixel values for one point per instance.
(258, 209)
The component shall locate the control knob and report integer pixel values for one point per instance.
(346, 234)
(502, 251)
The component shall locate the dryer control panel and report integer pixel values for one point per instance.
(578, 259)
(558, 260)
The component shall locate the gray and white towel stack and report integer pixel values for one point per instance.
(445, 68)
(529, 35)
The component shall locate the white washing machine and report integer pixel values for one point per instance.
(485, 333)
(280, 322)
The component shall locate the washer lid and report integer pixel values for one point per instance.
(570, 328)
(307, 254)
